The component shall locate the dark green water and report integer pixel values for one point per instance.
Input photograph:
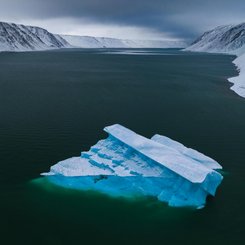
(55, 104)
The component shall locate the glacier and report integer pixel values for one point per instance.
(127, 164)
(227, 39)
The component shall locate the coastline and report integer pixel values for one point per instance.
(239, 81)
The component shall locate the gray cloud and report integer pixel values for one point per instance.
(179, 18)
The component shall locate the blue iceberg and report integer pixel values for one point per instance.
(128, 164)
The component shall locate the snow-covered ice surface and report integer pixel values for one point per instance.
(239, 81)
(228, 39)
(127, 164)
(205, 160)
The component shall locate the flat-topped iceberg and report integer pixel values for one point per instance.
(128, 164)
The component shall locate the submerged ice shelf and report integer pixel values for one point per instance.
(128, 164)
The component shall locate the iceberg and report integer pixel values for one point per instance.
(127, 164)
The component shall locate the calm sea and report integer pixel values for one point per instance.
(55, 104)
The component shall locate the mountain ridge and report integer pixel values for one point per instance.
(18, 37)
(222, 39)
(14, 37)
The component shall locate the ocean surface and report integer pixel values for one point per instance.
(55, 104)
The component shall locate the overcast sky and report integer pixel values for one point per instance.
(140, 19)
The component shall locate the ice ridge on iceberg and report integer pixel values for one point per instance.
(128, 164)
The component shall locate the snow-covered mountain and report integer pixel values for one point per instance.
(222, 39)
(105, 42)
(229, 39)
(15, 37)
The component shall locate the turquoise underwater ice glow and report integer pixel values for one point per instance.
(128, 164)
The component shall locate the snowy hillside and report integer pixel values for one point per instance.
(226, 39)
(26, 38)
(105, 42)
(223, 39)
